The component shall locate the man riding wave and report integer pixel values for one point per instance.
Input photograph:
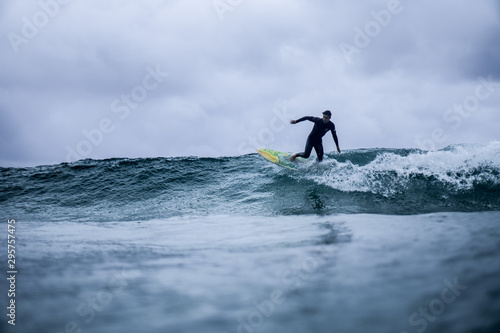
(314, 140)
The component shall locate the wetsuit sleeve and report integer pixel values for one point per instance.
(334, 134)
(305, 118)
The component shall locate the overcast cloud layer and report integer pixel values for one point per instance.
(117, 78)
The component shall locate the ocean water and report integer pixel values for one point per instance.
(370, 240)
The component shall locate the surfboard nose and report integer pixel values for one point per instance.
(268, 156)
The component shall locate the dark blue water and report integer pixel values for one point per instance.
(381, 181)
(370, 240)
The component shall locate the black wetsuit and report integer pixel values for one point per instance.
(314, 140)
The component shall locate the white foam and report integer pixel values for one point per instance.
(457, 167)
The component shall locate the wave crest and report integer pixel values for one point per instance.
(456, 168)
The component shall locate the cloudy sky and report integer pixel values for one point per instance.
(121, 78)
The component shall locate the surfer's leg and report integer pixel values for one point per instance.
(319, 151)
(308, 150)
(306, 153)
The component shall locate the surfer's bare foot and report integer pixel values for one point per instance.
(293, 157)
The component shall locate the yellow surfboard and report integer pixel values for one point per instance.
(280, 158)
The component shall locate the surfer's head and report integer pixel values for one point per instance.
(327, 115)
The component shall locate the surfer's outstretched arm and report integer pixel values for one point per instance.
(301, 119)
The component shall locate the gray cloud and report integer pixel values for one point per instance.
(226, 77)
(484, 59)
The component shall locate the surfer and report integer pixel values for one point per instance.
(314, 140)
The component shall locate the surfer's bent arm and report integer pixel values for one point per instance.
(334, 134)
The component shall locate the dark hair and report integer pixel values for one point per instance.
(328, 113)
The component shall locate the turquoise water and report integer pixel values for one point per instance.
(381, 181)
(372, 240)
